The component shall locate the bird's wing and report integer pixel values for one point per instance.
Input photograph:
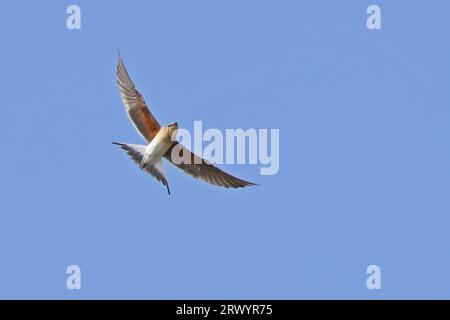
(135, 105)
(201, 169)
(136, 152)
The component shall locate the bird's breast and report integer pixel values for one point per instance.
(157, 148)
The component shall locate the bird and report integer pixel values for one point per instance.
(159, 143)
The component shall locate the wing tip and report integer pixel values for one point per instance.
(119, 56)
(249, 184)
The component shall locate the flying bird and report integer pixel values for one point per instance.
(159, 143)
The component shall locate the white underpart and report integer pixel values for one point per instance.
(155, 150)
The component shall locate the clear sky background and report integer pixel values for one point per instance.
(364, 119)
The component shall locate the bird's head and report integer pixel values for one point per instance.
(172, 128)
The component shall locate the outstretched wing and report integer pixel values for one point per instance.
(136, 152)
(201, 169)
(137, 110)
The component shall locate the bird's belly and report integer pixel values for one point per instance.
(155, 150)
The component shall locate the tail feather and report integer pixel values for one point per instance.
(136, 152)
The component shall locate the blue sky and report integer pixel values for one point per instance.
(364, 150)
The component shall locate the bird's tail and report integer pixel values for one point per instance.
(136, 152)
